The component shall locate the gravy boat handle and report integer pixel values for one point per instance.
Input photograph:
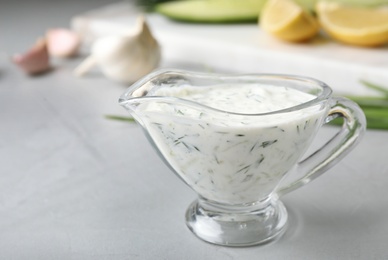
(337, 147)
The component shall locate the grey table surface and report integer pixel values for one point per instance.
(74, 185)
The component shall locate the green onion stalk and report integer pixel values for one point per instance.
(375, 107)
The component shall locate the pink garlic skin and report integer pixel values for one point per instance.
(62, 43)
(36, 60)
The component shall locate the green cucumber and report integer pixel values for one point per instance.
(234, 11)
(212, 11)
(310, 4)
(361, 3)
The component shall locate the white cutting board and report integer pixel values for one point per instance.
(244, 48)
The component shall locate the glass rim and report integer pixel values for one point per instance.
(127, 96)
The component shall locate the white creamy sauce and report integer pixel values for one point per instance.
(232, 158)
(248, 99)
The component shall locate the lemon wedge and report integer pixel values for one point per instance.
(288, 21)
(354, 25)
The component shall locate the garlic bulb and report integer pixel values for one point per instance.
(126, 57)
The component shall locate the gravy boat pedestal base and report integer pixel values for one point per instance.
(237, 226)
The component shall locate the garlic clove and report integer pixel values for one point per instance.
(62, 42)
(127, 57)
(36, 60)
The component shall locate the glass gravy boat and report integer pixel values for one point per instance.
(236, 162)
